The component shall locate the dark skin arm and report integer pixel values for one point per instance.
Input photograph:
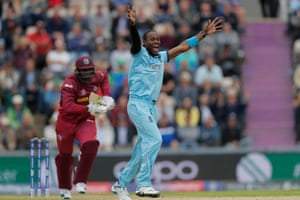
(213, 26)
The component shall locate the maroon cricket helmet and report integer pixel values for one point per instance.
(85, 68)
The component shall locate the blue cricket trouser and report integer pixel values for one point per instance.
(144, 116)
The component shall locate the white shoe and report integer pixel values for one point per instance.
(120, 191)
(80, 188)
(65, 194)
(147, 191)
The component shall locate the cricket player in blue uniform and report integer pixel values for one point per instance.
(145, 81)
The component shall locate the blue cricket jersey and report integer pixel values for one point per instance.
(146, 74)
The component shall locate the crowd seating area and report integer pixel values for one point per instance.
(202, 102)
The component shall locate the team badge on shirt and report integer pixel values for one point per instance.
(82, 92)
(95, 88)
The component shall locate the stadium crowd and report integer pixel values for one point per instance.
(202, 102)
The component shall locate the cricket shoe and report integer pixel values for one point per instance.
(65, 194)
(80, 188)
(120, 191)
(147, 192)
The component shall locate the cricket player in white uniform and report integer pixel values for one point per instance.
(145, 82)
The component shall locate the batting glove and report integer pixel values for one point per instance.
(96, 109)
(109, 102)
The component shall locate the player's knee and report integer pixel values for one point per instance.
(60, 159)
(90, 147)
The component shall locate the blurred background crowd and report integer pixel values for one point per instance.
(202, 102)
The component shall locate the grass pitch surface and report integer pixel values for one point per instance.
(227, 195)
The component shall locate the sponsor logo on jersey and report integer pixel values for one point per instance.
(82, 100)
(155, 67)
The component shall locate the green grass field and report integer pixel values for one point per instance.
(228, 195)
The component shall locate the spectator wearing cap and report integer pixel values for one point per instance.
(16, 112)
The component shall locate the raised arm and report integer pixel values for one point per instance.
(136, 41)
(212, 26)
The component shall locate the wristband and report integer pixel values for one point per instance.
(192, 41)
(203, 34)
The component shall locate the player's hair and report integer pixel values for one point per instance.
(146, 34)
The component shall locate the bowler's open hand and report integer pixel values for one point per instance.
(213, 26)
(131, 15)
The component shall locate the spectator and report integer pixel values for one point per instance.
(78, 42)
(190, 57)
(269, 8)
(21, 53)
(34, 11)
(209, 70)
(187, 118)
(143, 22)
(169, 80)
(205, 13)
(8, 139)
(41, 43)
(101, 54)
(210, 134)
(185, 89)
(105, 133)
(168, 132)
(229, 15)
(51, 94)
(9, 76)
(9, 27)
(167, 35)
(25, 132)
(30, 86)
(57, 22)
(120, 27)
(232, 132)
(58, 60)
(164, 11)
(78, 17)
(49, 131)
(101, 18)
(16, 112)
(166, 106)
(120, 57)
(124, 129)
(4, 55)
(233, 104)
(228, 37)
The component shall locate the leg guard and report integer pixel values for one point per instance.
(88, 154)
(64, 164)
